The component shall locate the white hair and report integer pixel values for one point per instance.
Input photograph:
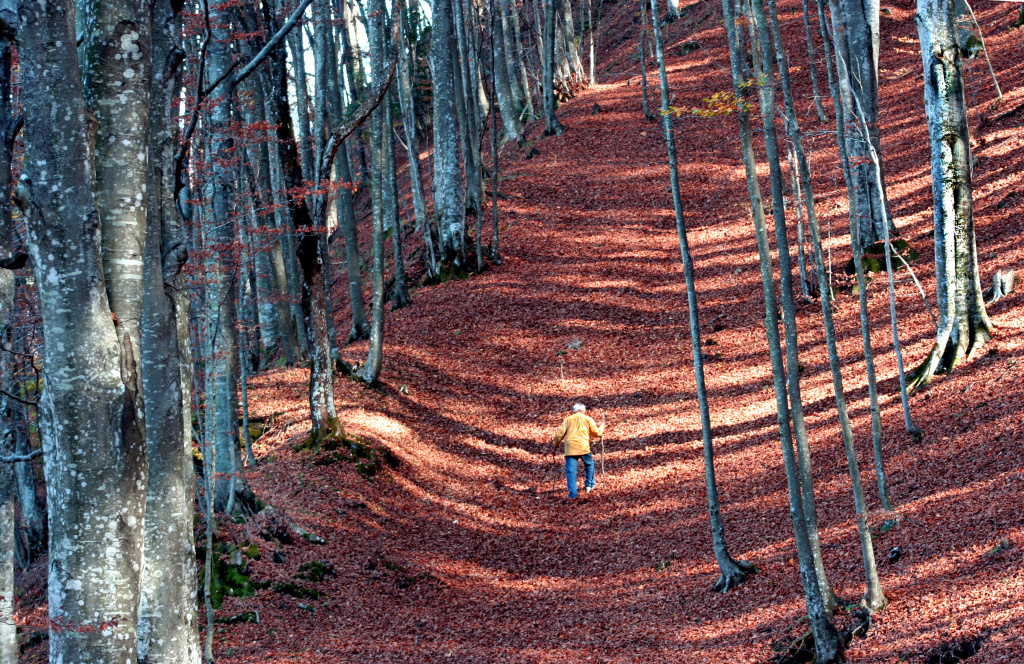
(579, 408)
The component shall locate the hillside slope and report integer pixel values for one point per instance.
(467, 551)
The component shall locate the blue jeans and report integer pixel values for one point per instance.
(572, 464)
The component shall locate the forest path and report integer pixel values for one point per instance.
(470, 553)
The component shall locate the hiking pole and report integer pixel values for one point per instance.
(602, 446)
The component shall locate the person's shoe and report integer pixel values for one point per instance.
(573, 497)
(589, 489)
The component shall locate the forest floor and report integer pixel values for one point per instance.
(469, 552)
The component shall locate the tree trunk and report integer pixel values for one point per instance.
(855, 28)
(448, 201)
(506, 98)
(521, 58)
(405, 98)
(643, 63)
(828, 644)
(964, 325)
(765, 71)
(874, 598)
(375, 34)
(509, 52)
(466, 111)
(733, 572)
(865, 325)
(672, 11)
(815, 89)
(288, 312)
(302, 104)
(390, 199)
(312, 254)
(552, 126)
(95, 452)
(221, 289)
(8, 407)
(168, 630)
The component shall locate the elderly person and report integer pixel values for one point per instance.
(577, 431)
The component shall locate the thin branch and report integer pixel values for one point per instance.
(984, 50)
(7, 394)
(244, 72)
(19, 458)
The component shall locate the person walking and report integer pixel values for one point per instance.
(576, 431)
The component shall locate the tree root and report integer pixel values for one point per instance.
(945, 357)
(731, 578)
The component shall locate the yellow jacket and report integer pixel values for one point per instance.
(577, 430)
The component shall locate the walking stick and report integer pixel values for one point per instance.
(602, 446)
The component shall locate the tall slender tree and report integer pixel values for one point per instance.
(732, 571)
(827, 641)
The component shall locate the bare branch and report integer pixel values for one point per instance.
(203, 93)
(7, 394)
(18, 458)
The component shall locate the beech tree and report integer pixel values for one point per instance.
(732, 572)
(855, 30)
(964, 325)
(91, 431)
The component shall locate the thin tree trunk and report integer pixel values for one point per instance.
(765, 71)
(530, 113)
(284, 271)
(464, 64)
(552, 126)
(506, 95)
(400, 296)
(815, 89)
(733, 572)
(419, 203)
(643, 63)
(874, 598)
(590, 30)
(9, 408)
(828, 643)
(865, 325)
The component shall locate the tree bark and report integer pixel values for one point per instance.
(168, 630)
(964, 325)
(9, 409)
(375, 34)
(400, 296)
(222, 304)
(765, 71)
(874, 598)
(865, 324)
(507, 101)
(855, 26)
(448, 194)
(95, 452)
(552, 126)
(360, 327)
